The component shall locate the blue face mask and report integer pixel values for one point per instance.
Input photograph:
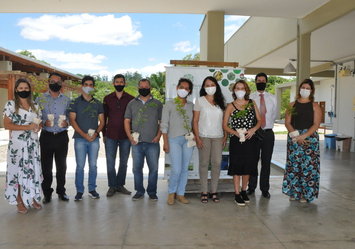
(87, 89)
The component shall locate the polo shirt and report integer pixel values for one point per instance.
(87, 113)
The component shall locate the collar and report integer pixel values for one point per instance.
(47, 94)
(83, 99)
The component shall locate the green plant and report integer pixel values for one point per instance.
(180, 109)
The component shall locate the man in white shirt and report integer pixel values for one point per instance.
(266, 103)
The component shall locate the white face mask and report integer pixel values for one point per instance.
(210, 90)
(305, 93)
(240, 94)
(87, 89)
(182, 93)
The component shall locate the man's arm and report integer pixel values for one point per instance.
(74, 124)
(127, 128)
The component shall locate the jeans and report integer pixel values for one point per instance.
(180, 156)
(82, 148)
(151, 152)
(111, 146)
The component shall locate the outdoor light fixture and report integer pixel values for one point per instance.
(289, 68)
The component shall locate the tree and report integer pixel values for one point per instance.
(30, 55)
(157, 81)
(190, 57)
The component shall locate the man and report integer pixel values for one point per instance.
(142, 117)
(85, 112)
(114, 136)
(266, 103)
(54, 137)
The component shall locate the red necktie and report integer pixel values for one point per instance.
(262, 110)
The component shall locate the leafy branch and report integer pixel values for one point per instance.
(180, 109)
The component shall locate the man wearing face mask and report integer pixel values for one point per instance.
(142, 118)
(87, 118)
(266, 103)
(114, 136)
(54, 137)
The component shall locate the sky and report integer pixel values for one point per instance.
(106, 43)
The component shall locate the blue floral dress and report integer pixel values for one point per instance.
(302, 171)
(23, 158)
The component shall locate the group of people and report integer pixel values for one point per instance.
(139, 122)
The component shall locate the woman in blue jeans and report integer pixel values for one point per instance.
(178, 139)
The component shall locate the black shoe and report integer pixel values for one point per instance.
(111, 191)
(250, 192)
(47, 199)
(239, 200)
(63, 197)
(78, 196)
(123, 190)
(137, 196)
(94, 195)
(153, 197)
(266, 194)
(245, 196)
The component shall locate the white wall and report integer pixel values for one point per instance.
(344, 123)
(325, 92)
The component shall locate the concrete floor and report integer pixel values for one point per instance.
(119, 222)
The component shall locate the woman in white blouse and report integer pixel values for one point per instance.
(210, 138)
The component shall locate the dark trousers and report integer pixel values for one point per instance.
(53, 145)
(266, 147)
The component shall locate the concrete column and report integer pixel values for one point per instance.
(303, 55)
(212, 37)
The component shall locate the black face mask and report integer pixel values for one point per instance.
(144, 91)
(119, 88)
(55, 87)
(261, 86)
(24, 94)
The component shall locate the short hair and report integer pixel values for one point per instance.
(144, 79)
(119, 76)
(86, 78)
(261, 75)
(188, 81)
(311, 84)
(55, 74)
(246, 87)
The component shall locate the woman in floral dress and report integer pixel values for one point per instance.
(301, 180)
(23, 176)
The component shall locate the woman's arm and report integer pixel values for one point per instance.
(226, 116)
(288, 115)
(251, 131)
(196, 119)
(8, 125)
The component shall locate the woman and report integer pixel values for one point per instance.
(175, 125)
(301, 179)
(210, 139)
(23, 176)
(241, 120)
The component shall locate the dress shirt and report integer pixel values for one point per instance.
(270, 103)
(57, 106)
(114, 110)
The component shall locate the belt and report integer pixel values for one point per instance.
(53, 133)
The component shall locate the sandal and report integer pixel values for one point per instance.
(204, 198)
(36, 205)
(21, 208)
(214, 197)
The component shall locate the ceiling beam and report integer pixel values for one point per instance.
(279, 72)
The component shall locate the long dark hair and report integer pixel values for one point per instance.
(28, 99)
(311, 84)
(218, 96)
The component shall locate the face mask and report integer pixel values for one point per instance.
(240, 94)
(55, 87)
(87, 89)
(260, 86)
(210, 90)
(119, 88)
(182, 93)
(144, 91)
(24, 94)
(305, 93)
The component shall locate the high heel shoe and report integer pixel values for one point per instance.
(21, 208)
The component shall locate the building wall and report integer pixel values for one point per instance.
(344, 123)
(325, 92)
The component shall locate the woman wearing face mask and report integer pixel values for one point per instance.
(301, 179)
(241, 120)
(210, 138)
(24, 175)
(175, 125)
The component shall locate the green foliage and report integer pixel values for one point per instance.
(102, 89)
(157, 81)
(30, 55)
(180, 109)
(190, 57)
(285, 101)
